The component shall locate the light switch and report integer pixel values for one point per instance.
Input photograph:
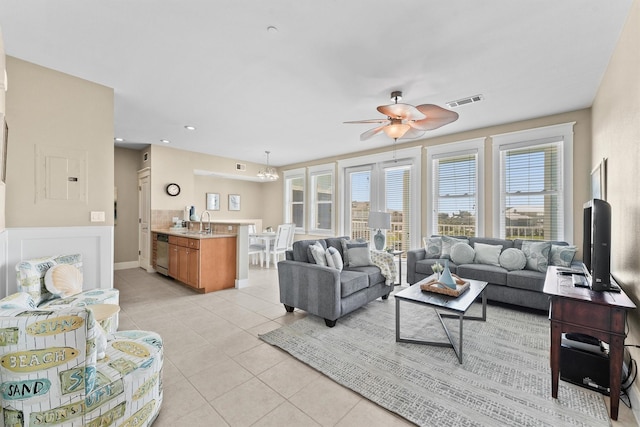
(97, 216)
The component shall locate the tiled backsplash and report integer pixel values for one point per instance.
(164, 218)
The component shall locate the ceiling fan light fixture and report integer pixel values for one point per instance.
(396, 130)
(268, 173)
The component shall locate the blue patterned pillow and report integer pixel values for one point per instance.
(432, 246)
(562, 255)
(461, 253)
(447, 244)
(537, 254)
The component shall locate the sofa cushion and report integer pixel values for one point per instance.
(63, 280)
(487, 254)
(447, 244)
(300, 250)
(336, 242)
(373, 273)
(513, 259)
(562, 255)
(30, 274)
(359, 254)
(317, 253)
(334, 259)
(537, 254)
(432, 246)
(461, 253)
(352, 282)
(345, 252)
(484, 272)
(526, 279)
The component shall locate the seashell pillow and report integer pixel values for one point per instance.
(63, 280)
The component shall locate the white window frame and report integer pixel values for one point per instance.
(531, 138)
(453, 149)
(287, 177)
(414, 154)
(313, 172)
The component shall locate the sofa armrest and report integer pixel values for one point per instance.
(413, 256)
(310, 287)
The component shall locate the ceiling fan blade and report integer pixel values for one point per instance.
(412, 133)
(401, 111)
(370, 121)
(371, 132)
(435, 117)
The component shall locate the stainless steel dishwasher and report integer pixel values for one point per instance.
(162, 254)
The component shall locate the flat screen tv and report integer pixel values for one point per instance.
(597, 244)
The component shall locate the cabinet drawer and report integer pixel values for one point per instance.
(194, 244)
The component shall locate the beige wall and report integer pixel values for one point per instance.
(616, 136)
(125, 234)
(581, 163)
(2, 112)
(46, 108)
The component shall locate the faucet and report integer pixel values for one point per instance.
(208, 228)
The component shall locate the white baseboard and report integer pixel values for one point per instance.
(126, 265)
(242, 283)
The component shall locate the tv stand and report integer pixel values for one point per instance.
(599, 314)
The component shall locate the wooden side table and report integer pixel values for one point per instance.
(598, 314)
(104, 314)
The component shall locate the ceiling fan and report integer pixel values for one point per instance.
(405, 121)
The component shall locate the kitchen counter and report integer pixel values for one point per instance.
(191, 234)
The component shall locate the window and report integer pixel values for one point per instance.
(294, 182)
(456, 188)
(533, 183)
(378, 183)
(322, 196)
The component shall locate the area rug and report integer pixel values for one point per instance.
(504, 379)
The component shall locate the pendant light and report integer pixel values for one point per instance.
(269, 173)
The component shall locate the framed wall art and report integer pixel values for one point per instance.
(234, 202)
(213, 201)
(599, 181)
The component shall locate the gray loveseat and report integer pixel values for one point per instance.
(325, 291)
(521, 287)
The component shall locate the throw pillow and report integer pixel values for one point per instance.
(562, 255)
(345, 253)
(487, 254)
(318, 253)
(432, 246)
(513, 259)
(461, 253)
(63, 280)
(359, 255)
(537, 254)
(447, 244)
(334, 260)
(18, 300)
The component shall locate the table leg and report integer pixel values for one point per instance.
(556, 342)
(616, 356)
(397, 320)
(400, 270)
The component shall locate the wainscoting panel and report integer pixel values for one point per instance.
(94, 243)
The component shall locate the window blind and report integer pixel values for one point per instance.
(531, 193)
(398, 204)
(455, 186)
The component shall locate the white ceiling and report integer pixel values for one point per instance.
(214, 65)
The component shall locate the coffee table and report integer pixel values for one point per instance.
(458, 305)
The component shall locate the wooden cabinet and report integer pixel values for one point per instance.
(206, 264)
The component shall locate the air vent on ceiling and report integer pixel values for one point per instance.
(463, 101)
(241, 167)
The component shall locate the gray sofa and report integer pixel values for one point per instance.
(520, 287)
(325, 291)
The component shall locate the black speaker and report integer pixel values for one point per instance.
(584, 368)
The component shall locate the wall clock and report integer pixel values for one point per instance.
(173, 189)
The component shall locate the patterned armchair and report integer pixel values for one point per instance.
(49, 374)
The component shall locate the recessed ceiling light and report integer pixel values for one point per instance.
(118, 139)
(166, 141)
(272, 29)
(189, 127)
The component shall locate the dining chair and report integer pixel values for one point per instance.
(292, 233)
(280, 244)
(255, 247)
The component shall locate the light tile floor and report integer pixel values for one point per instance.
(217, 372)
